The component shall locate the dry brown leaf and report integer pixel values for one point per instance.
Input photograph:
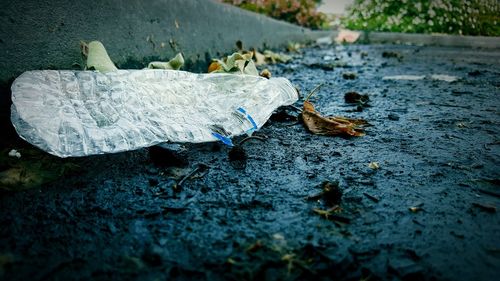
(214, 66)
(259, 58)
(265, 73)
(335, 125)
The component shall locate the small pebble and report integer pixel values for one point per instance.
(14, 153)
(393, 117)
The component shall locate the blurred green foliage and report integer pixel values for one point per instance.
(301, 12)
(466, 17)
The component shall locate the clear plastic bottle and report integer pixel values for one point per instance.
(78, 113)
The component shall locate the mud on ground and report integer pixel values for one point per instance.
(428, 212)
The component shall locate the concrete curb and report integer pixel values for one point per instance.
(431, 39)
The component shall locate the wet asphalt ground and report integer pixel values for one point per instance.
(429, 212)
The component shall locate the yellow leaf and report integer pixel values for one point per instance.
(174, 64)
(97, 57)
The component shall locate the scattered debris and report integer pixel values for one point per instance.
(96, 57)
(484, 207)
(174, 64)
(347, 36)
(331, 214)
(374, 165)
(331, 193)
(235, 63)
(417, 207)
(336, 125)
(199, 168)
(294, 47)
(389, 54)
(321, 65)
(349, 75)
(354, 97)
(265, 73)
(15, 153)
(254, 247)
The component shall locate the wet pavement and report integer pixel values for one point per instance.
(428, 212)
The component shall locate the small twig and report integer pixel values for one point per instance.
(296, 108)
(198, 168)
(371, 197)
(489, 192)
(251, 138)
(313, 91)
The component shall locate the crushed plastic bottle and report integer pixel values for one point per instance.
(77, 113)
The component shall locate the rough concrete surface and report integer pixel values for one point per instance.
(429, 212)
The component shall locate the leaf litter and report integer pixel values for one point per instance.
(330, 125)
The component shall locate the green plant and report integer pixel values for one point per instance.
(301, 12)
(467, 17)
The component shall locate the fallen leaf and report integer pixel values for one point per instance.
(259, 58)
(236, 63)
(265, 73)
(331, 214)
(336, 125)
(331, 193)
(354, 97)
(174, 64)
(272, 57)
(97, 57)
(15, 153)
(293, 47)
(347, 36)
